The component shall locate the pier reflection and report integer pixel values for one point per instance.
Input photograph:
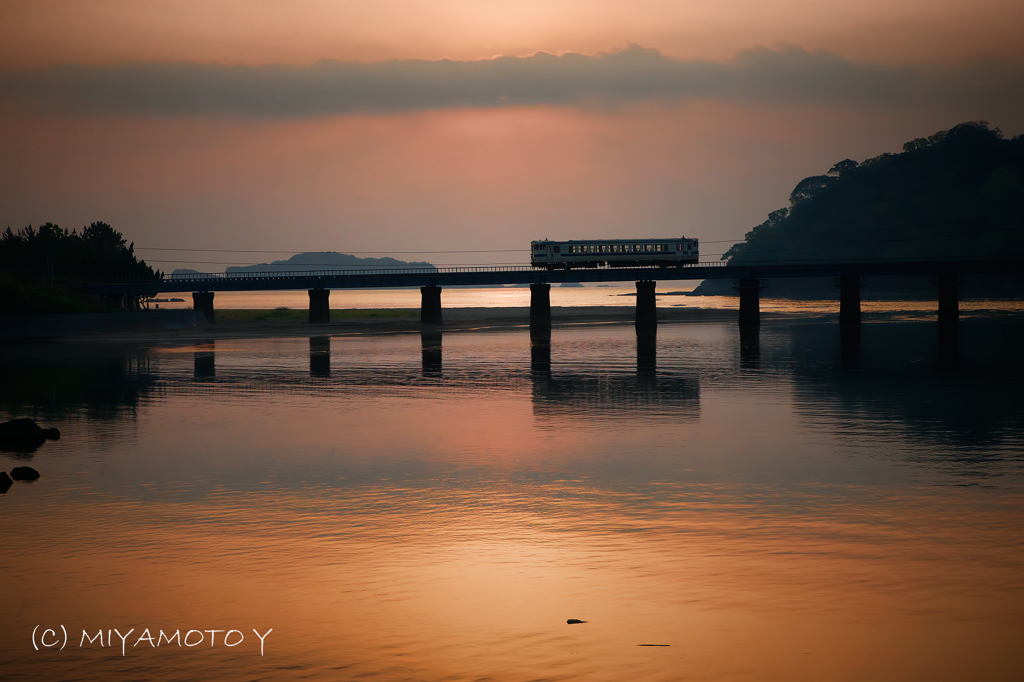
(646, 351)
(204, 361)
(750, 346)
(320, 357)
(582, 396)
(903, 385)
(540, 350)
(849, 345)
(431, 352)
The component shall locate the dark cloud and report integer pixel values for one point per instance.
(605, 80)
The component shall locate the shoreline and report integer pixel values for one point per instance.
(384, 322)
(191, 327)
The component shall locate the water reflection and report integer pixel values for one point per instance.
(431, 352)
(540, 349)
(388, 525)
(54, 381)
(750, 346)
(646, 350)
(204, 361)
(890, 377)
(320, 357)
(949, 343)
(849, 344)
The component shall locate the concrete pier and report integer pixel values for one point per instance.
(430, 305)
(319, 306)
(202, 301)
(319, 356)
(849, 300)
(949, 300)
(430, 343)
(949, 319)
(750, 301)
(540, 307)
(646, 305)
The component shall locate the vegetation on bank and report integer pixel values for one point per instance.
(957, 195)
(47, 270)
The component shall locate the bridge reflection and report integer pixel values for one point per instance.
(887, 375)
(205, 361)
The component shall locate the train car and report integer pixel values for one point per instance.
(616, 253)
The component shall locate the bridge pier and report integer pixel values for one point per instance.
(430, 345)
(202, 301)
(949, 319)
(949, 300)
(849, 300)
(320, 356)
(750, 301)
(430, 305)
(540, 308)
(319, 306)
(646, 306)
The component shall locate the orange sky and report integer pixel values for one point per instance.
(260, 31)
(448, 176)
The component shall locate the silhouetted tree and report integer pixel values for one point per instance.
(53, 257)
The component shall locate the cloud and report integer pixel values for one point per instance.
(610, 79)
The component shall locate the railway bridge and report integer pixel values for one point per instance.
(748, 278)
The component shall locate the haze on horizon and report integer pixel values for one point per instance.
(390, 127)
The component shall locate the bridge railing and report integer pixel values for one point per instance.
(371, 272)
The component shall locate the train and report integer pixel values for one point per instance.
(674, 252)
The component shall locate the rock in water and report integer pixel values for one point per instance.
(5, 482)
(24, 474)
(575, 621)
(24, 436)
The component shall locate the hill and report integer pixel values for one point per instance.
(958, 194)
(320, 260)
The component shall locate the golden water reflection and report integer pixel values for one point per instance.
(786, 519)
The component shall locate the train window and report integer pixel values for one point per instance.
(557, 249)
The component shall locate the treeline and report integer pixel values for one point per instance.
(957, 195)
(46, 270)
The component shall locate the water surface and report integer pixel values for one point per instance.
(778, 506)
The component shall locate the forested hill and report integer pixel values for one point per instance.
(958, 194)
(323, 260)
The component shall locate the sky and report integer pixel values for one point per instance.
(218, 133)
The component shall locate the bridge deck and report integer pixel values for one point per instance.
(418, 277)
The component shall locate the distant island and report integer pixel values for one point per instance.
(319, 260)
(956, 195)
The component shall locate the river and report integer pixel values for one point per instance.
(771, 507)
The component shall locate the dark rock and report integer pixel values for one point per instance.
(5, 482)
(24, 474)
(575, 621)
(24, 436)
